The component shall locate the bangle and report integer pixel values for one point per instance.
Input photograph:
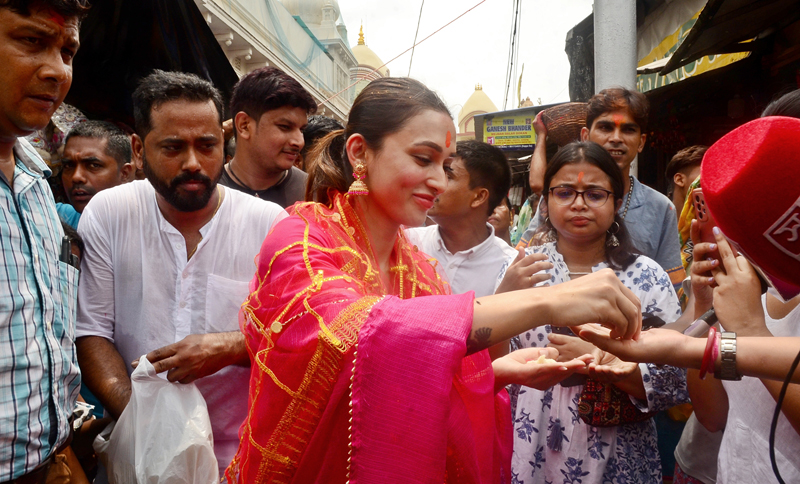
(708, 361)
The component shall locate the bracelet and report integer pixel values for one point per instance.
(708, 360)
(727, 366)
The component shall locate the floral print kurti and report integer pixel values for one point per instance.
(603, 455)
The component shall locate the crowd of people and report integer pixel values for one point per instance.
(347, 300)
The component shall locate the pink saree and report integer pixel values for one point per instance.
(354, 381)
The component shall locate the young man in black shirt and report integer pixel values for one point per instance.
(270, 110)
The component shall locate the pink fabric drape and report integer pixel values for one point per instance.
(422, 412)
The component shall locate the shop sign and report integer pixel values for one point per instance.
(509, 132)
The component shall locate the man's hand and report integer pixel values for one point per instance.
(198, 355)
(526, 271)
(521, 367)
(737, 297)
(599, 298)
(539, 128)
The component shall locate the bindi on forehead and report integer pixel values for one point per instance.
(580, 177)
(448, 139)
(619, 119)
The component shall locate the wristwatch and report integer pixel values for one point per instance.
(727, 349)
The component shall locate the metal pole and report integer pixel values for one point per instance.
(615, 46)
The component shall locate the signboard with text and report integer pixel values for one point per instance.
(510, 132)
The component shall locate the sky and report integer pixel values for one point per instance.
(474, 48)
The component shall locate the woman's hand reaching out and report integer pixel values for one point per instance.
(522, 367)
(604, 367)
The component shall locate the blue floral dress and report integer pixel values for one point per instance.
(603, 455)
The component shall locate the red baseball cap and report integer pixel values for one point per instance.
(751, 184)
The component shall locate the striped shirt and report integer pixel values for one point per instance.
(39, 376)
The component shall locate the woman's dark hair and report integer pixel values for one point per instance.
(382, 108)
(787, 105)
(625, 253)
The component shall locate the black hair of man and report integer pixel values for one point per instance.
(619, 98)
(488, 168)
(65, 8)
(685, 158)
(161, 87)
(266, 89)
(317, 127)
(118, 143)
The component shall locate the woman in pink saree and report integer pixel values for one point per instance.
(355, 376)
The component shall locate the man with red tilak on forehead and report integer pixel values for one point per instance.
(617, 120)
(39, 375)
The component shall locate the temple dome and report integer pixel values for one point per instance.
(366, 57)
(478, 103)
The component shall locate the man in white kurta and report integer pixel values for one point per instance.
(168, 261)
(138, 290)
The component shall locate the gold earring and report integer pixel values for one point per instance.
(358, 187)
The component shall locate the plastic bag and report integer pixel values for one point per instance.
(162, 437)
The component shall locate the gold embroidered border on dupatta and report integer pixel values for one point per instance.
(282, 452)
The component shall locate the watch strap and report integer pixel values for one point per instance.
(727, 349)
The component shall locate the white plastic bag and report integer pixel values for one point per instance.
(162, 437)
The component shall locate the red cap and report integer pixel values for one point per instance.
(751, 184)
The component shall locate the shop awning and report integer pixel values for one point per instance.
(124, 40)
(730, 26)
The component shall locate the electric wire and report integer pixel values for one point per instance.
(419, 20)
(511, 55)
(360, 78)
(774, 427)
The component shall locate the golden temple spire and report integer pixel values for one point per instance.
(361, 36)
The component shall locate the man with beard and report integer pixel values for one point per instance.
(270, 111)
(97, 155)
(168, 260)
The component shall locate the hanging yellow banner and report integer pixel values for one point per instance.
(648, 82)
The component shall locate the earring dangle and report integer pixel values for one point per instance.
(358, 187)
(613, 241)
(551, 235)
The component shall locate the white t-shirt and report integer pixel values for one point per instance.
(138, 290)
(744, 453)
(474, 269)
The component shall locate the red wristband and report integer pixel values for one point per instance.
(708, 360)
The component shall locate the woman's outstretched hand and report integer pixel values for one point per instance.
(599, 298)
(521, 367)
(605, 365)
(657, 345)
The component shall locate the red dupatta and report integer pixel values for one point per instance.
(354, 381)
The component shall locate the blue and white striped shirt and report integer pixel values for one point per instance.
(39, 376)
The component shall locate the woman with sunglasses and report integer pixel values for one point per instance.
(583, 190)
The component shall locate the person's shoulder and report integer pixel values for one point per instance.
(298, 174)
(501, 246)
(127, 196)
(656, 198)
(249, 211)
(423, 237)
(31, 157)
